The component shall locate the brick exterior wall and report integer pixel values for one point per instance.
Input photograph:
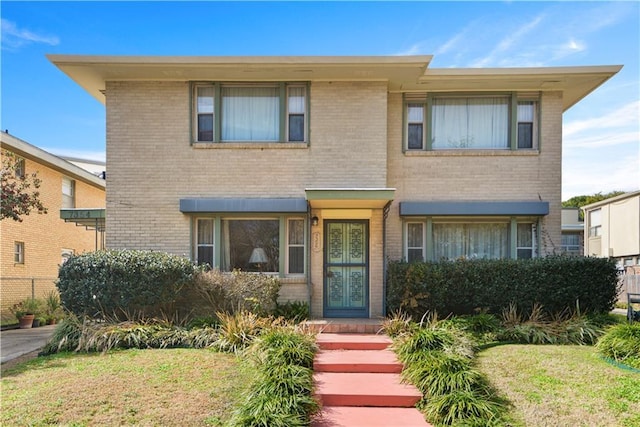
(479, 176)
(44, 237)
(355, 141)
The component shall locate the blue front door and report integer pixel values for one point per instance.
(346, 268)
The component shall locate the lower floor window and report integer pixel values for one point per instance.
(453, 241)
(468, 240)
(18, 252)
(251, 244)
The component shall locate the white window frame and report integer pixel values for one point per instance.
(21, 169)
(532, 248)
(65, 254)
(423, 247)
(197, 245)
(595, 216)
(68, 198)
(289, 245)
(18, 252)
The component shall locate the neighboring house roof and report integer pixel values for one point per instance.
(96, 167)
(403, 73)
(31, 152)
(610, 200)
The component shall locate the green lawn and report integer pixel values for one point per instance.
(562, 386)
(131, 387)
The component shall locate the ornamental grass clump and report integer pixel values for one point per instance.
(439, 361)
(282, 394)
(622, 344)
(540, 328)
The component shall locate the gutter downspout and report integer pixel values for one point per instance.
(309, 245)
(385, 214)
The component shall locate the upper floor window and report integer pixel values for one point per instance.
(250, 112)
(20, 168)
(68, 193)
(498, 122)
(595, 223)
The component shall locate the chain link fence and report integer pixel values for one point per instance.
(15, 289)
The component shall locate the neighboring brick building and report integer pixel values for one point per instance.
(33, 249)
(320, 169)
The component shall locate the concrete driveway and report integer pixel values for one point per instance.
(18, 342)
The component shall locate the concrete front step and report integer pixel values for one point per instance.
(352, 341)
(344, 326)
(381, 361)
(345, 416)
(364, 389)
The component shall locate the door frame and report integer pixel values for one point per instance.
(345, 313)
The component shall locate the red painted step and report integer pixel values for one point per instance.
(352, 341)
(382, 361)
(345, 416)
(364, 389)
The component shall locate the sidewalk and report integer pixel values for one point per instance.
(18, 342)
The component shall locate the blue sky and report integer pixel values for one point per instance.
(601, 150)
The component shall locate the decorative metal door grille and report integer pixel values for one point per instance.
(346, 269)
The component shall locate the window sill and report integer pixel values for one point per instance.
(471, 153)
(249, 145)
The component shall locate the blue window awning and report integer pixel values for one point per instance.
(257, 205)
(474, 208)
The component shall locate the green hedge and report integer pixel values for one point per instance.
(123, 283)
(470, 286)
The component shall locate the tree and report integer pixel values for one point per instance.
(19, 190)
(580, 201)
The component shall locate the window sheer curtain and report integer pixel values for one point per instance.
(459, 123)
(250, 114)
(453, 241)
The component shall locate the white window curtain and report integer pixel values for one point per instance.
(470, 123)
(296, 100)
(250, 114)
(473, 241)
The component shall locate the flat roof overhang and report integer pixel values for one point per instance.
(574, 82)
(473, 208)
(242, 204)
(349, 198)
(91, 219)
(92, 72)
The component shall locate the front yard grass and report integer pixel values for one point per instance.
(128, 387)
(554, 385)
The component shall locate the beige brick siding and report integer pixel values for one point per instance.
(516, 176)
(148, 143)
(355, 141)
(44, 237)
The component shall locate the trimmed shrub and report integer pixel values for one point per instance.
(236, 292)
(123, 284)
(471, 286)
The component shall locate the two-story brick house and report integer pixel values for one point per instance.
(32, 250)
(320, 169)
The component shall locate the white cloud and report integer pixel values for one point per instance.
(507, 43)
(627, 115)
(415, 49)
(14, 37)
